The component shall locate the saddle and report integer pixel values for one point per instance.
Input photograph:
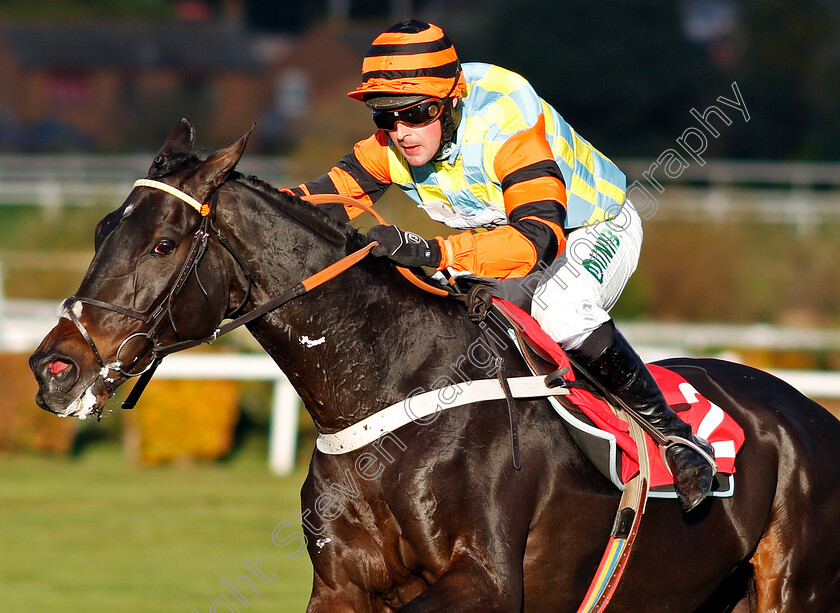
(593, 425)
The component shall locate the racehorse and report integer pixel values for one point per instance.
(435, 517)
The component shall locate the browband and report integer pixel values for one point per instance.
(203, 209)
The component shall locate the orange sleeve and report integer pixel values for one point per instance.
(535, 203)
(501, 253)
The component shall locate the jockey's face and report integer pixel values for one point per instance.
(418, 145)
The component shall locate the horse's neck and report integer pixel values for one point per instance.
(351, 346)
(343, 351)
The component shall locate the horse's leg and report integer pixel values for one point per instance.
(787, 565)
(771, 562)
(796, 561)
(471, 587)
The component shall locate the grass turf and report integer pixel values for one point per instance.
(96, 534)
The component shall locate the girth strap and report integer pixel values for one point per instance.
(631, 506)
(628, 518)
(479, 302)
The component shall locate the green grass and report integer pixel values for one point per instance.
(31, 227)
(94, 533)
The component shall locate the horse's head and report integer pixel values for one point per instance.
(154, 279)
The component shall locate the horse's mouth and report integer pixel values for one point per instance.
(91, 401)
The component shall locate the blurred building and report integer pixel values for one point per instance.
(106, 86)
(101, 86)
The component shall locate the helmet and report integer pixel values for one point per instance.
(408, 63)
(411, 59)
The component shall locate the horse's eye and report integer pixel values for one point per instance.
(165, 247)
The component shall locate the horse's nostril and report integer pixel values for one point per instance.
(57, 367)
(57, 371)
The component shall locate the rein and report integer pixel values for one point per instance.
(410, 276)
(310, 283)
(478, 301)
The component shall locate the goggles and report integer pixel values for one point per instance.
(416, 116)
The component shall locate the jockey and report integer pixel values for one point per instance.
(478, 149)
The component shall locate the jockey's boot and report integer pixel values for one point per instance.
(609, 359)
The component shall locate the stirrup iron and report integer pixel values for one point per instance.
(670, 440)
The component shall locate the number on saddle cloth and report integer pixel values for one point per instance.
(604, 438)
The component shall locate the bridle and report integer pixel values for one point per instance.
(157, 316)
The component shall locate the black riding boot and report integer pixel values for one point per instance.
(611, 361)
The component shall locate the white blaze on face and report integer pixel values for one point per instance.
(77, 310)
(309, 343)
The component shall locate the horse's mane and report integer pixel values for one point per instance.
(311, 216)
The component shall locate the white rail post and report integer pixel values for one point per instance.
(282, 438)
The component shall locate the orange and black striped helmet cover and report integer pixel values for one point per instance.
(411, 58)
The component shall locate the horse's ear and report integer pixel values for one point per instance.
(180, 140)
(213, 171)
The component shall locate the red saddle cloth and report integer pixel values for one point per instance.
(705, 418)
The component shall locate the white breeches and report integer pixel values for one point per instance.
(579, 288)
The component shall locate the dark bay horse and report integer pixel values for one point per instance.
(435, 517)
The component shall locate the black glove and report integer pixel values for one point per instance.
(404, 248)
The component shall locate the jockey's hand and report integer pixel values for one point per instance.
(404, 248)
